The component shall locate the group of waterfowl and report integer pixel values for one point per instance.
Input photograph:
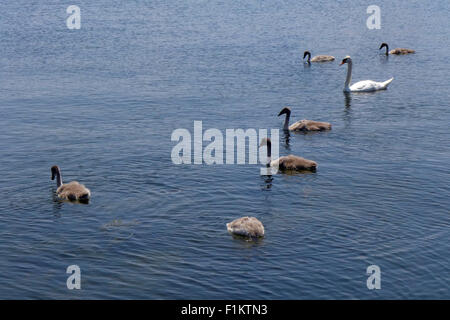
(360, 86)
(250, 227)
(326, 58)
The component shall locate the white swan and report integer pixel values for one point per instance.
(361, 86)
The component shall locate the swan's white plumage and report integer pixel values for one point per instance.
(361, 86)
(368, 85)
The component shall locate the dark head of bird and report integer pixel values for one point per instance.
(384, 45)
(285, 110)
(55, 172)
(345, 60)
(307, 53)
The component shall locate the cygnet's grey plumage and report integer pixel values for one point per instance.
(246, 227)
(73, 191)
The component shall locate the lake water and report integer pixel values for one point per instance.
(103, 101)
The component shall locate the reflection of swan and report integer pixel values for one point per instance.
(69, 191)
(362, 86)
(347, 116)
(348, 99)
(303, 125)
(246, 227)
(289, 162)
(267, 182)
(319, 58)
(286, 138)
(396, 50)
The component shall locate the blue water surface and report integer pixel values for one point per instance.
(103, 101)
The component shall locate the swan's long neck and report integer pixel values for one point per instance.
(309, 57)
(349, 75)
(58, 179)
(387, 50)
(286, 121)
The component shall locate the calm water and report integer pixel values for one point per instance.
(102, 102)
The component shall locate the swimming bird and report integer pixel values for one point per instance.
(361, 86)
(289, 162)
(246, 227)
(70, 191)
(396, 50)
(319, 58)
(303, 125)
